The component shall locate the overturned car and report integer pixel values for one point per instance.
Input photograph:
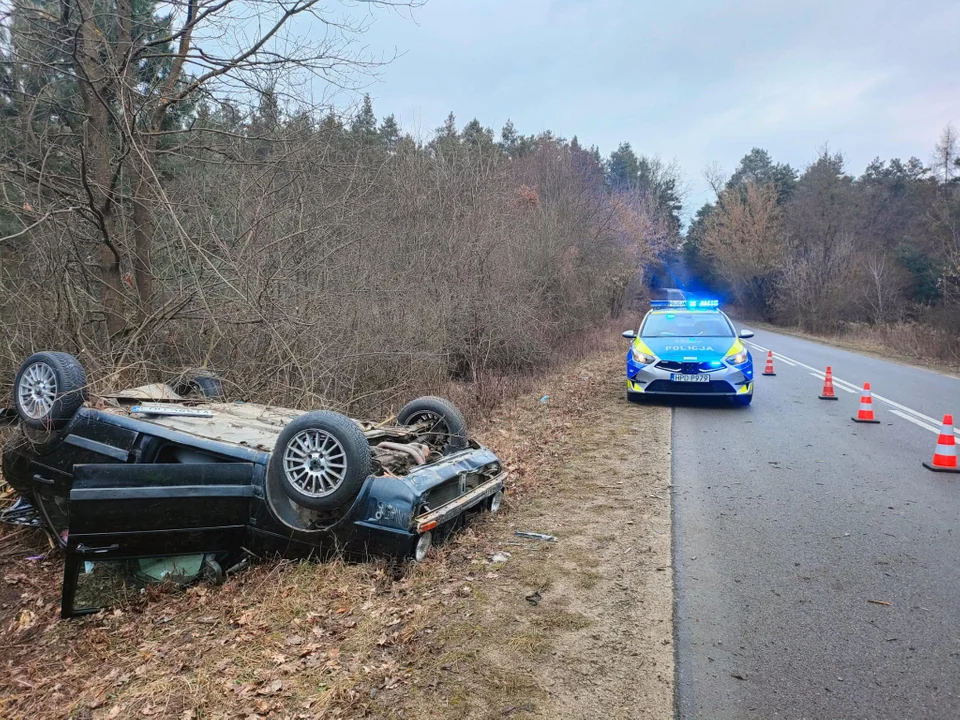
(169, 482)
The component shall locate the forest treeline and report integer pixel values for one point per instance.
(825, 251)
(170, 199)
(166, 206)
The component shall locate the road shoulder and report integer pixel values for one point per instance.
(580, 627)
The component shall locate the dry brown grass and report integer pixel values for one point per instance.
(317, 640)
(903, 342)
(451, 637)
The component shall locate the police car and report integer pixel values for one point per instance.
(689, 347)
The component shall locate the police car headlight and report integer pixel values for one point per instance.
(641, 357)
(738, 359)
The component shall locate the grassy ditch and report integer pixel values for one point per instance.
(549, 629)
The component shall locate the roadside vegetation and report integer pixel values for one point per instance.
(171, 199)
(454, 637)
(872, 259)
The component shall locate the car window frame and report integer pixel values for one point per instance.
(733, 330)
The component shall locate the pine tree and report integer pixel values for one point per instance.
(448, 131)
(476, 136)
(389, 133)
(265, 123)
(623, 168)
(513, 144)
(363, 127)
(757, 167)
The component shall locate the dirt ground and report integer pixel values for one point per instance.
(493, 625)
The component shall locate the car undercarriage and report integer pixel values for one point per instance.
(140, 475)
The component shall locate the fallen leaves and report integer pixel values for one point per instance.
(339, 640)
(271, 688)
(26, 619)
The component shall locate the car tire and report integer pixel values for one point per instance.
(634, 397)
(743, 400)
(446, 421)
(48, 390)
(200, 382)
(321, 460)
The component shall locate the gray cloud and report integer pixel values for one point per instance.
(696, 81)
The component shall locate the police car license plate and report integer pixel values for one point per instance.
(680, 377)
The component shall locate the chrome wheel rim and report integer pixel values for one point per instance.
(37, 390)
(423, 546)
(315, 463)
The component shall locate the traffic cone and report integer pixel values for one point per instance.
(768, 370)
(945, 456)
(865, 414)
(828, 393)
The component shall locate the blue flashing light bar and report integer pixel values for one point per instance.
(687, 304)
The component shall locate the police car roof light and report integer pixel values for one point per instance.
(688, 304)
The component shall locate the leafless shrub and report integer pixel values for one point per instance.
(311, 266)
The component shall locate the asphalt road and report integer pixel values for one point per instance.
(789, 519)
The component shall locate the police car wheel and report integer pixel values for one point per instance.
(634, 397)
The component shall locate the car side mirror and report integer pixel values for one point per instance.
(629, 334)
(746, 333)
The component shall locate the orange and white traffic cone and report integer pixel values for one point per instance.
(945, 456)
(828, 393)
(768, 370)
(865, 414)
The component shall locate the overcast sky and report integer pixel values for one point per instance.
(691, 80)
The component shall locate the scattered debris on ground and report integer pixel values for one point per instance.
(535, 536)
(454, 637)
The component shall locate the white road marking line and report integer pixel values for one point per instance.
(934, 430)
(840, 383)
(803, 365)
(836, 385)
(906, 409)
(785, 361)
(846, 386)
(758, 347)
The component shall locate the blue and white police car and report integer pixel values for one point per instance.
(689, 347)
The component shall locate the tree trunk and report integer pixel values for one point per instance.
(143, 229)
(99, 178)
(111, 294)
(98, 172)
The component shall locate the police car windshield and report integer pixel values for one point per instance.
(686, 324)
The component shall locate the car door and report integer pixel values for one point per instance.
(122, 512)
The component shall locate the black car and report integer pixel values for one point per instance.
(171, 482)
